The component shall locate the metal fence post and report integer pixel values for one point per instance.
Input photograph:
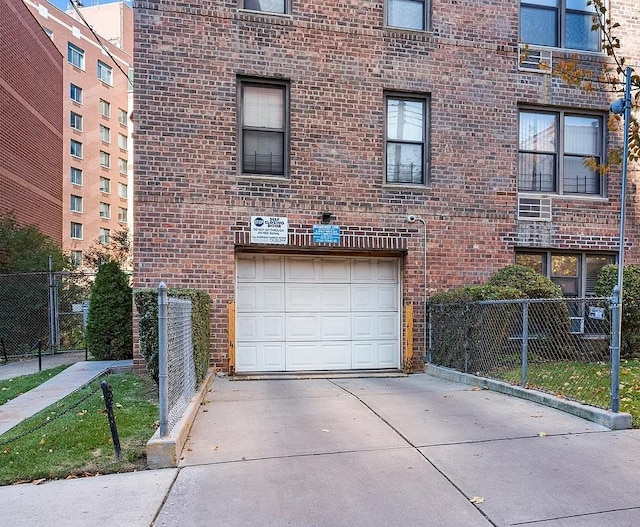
(525, 341)
(615, 349)
(163, 386)
(52, 308)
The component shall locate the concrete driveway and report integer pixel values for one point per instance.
(397, 451)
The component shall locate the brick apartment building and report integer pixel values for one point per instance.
(30, 122)
(97, 172)
(323, 167)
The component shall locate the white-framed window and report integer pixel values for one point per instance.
(105, 159)
(76, 230)
(76, 203)
(76, 148)
(264, 130)
(105, 108)
(76, 258)
(76, 176)
(105, 236)
(268, 6)
(76, 93)
(122, 165)
(122, 117)
(105, 134)
(408, 14)
(48, 31)
(122, 214)
(75, 56)
(75, 120)
(559, 23)
(553, 146)
(105, 185)
(406, 141)
(105, 73)
(105, 210)
(123, 190)
(122, 141)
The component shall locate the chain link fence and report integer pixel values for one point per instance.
(559, 346)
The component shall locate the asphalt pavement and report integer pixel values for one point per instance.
(412, 451)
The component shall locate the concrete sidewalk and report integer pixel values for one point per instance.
(414, 451)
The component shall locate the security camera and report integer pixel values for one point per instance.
(411, 218)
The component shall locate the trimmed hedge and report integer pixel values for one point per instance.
(531, 283)
(147, 305)
(474, 293)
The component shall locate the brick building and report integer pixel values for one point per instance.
(30, 122)
(97, 173)
(325, 166)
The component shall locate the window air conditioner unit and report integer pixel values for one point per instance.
(534, 59)
(536, 209)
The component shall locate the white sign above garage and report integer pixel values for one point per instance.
(270, 230)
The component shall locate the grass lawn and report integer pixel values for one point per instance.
(588, 383)
(72, 437)
(11, 388)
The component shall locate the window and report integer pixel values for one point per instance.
(76, 176)
(559, 23)
(48, 32)
(105, 73)
(264, 128)
(122, 141)
(575, 273)
(76, 121)
(122, 116)
(105, 134)
(105, 236)
(122, 190)
(406, 139)
(122, 214)
(105, 210)
(76, 93)
(270, 6)
(122, 165)
(552, 149)
(105, 108)
(105, 185)
(76, 203)
(409, 14)
(76, 230)
(75, 56)
(105, 159)
(76, 258)
(76, 148)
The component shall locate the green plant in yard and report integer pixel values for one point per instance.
(531, 283)
(12, 388)
(109, 325)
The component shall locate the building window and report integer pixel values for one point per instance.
(122, 116)
(76, 121)
(105, 185)
(76, 203)
(105, 134)
(105, 108)
(105, 211)
(559, 23)
(122, 165)
(75, 56)
(48, 32)
(76, 176)
(406, 139)
(76, 148)
(122, 214)
(123, 190)
(76, 258)
(76, 93)
(105, 73)
(122, 142)
(76, 230)
(574, 273)
(264, 128)
(105, 159)
(269, 6)
(409, 14)
(105, 236)
(552, 149)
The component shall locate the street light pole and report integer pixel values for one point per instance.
(621, 106)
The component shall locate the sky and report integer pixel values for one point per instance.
(63, 4)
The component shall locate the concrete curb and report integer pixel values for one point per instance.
(613, 421)
(164, 452)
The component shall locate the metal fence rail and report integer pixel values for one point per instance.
(559, 346)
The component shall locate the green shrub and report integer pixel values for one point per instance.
(473, 293)
(147, 305)
(109, 323)
(607, 279)
(530, 282)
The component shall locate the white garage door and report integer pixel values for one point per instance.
(316, 313)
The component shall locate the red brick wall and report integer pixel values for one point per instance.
(30, 121)
(339, 61)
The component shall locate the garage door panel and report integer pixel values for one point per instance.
(313, 356)
(374, 326)
(256, 327)
(374, 297)
(261, 356)
(367, 270)
(334, 270)
(317, 327)
(377, 354)
(260, 297)
(260, 269)
(309, 297)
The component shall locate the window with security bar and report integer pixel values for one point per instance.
(554, 147)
